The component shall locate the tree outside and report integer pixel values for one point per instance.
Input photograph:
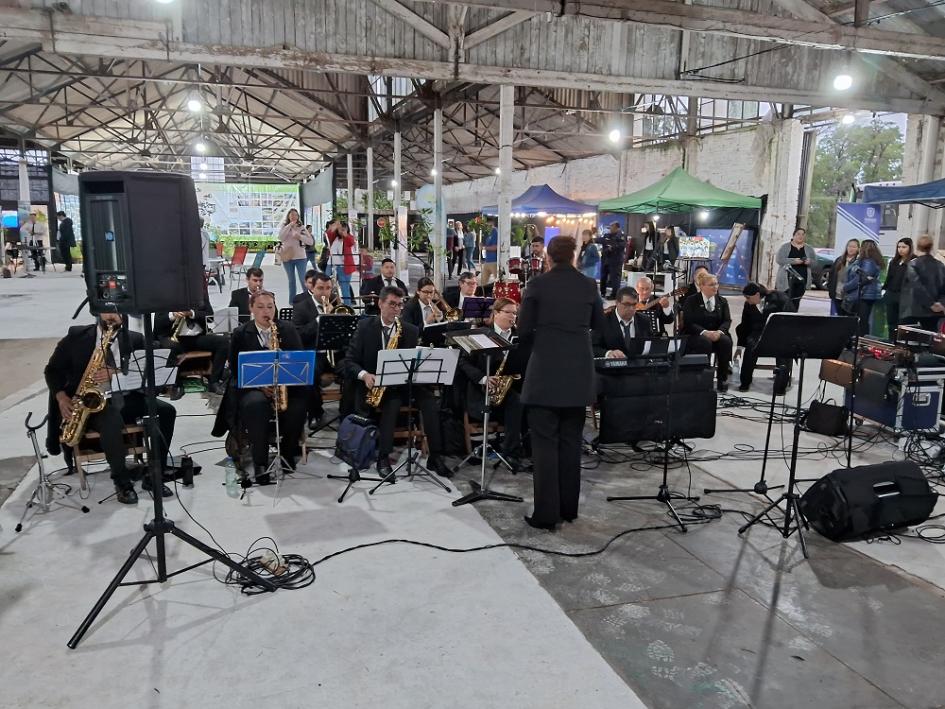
(846, 156)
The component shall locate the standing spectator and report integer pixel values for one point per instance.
(66, 239)
(490, 262)
(838, 275)
(613, 256)
(922, 301)
(862, 289)
(895, 279)
(648, 248)
(668, 249)
(343, 262)
(468, 238)
(794, 260)
(311, 256)
(34, 233)
(292, 239)
(589, 258)
(204, 244)
(451, 254)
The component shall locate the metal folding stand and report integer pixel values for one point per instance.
(334, 333)
(410, 366)
(480, 489)
(799, 337)
(160, 526)
(45, 493)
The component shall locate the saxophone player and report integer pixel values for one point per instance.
(65, 373)
(255, 406)
(510, 412)
(375, 334)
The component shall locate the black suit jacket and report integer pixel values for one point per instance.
(609, 336)
(240, 299)
(696, 318)
(65, 232)
(65, 369)
(368, 341)
(413, 313)
(372, 286)
(244, 339)
(305, 319)
(754, 318)
(559, 310)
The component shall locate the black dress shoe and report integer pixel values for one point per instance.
(126, 495)
(532, 523)
(439, 466)
(570, 519)
(744, 387)
(165, 490)
(264, 479)
(722, 386)
(384, 468)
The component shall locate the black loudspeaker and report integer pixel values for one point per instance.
(646, 418)
(851, 502)
(140, 242)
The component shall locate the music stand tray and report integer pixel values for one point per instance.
(489, 343)
(799, 337)
(275, 368)
(406, 367)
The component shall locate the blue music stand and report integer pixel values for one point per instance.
(275, 368)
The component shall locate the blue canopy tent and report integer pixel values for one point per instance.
(930, 194)
(540, 200)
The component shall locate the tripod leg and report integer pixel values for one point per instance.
(223, 559)
(347, 487)
(112, 586)
(757, 518)
(799, 519)
(672, 511)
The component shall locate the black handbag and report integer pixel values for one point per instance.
(825, 419)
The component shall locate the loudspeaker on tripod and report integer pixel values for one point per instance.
(140, 242)
(851, 502)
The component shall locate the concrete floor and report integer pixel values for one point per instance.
(662, 619)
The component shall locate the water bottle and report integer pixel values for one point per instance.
(232, 482)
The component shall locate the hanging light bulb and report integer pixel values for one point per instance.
(848, 119)
(615, 136)
(194, 105)
(843, 81)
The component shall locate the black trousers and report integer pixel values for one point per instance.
(892, 314)
(217, 345)
(750, 361)
(38, 256)
(556, 454)
(394, 398)
(511, 415)
(256, 411)
(796, 291)
(65, 253)
(610, 275)
(864, 309)
(451, 258)
(698, 344)
(108, 424)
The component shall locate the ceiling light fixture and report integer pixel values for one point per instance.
(614, 136)
(194, 105)
(498, 171)
(842, 81)
(200, 147)
(848, 119)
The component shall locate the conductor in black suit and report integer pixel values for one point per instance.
(560, 308)
(706, 320)
(239, 298)
(371, 287)
(360, 365)
(256, 404)
(64, 373)
(623, 331)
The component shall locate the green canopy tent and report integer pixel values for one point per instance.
(678, 192)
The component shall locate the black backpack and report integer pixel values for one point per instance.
(356, 444)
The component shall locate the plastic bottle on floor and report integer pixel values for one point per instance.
(232, 482)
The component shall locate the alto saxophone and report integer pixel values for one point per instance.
(88, 398)
(280, 394)
(500, 384)
(374, 396)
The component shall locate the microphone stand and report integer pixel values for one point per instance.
(854, 374)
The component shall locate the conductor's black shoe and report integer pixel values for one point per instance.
(126, 495)
(264, 479)
(532, 523)
(744, 387)
(439, 466)
(383, 467)
(165, 490)
(722, 386)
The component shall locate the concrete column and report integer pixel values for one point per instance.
(506, 109)
(808, 158)
(352, 207)
(439, 214)
(918, 165)
(400, 248)
(783, 176)
(370, 198)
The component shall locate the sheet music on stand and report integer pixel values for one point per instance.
(164, 375)
(434, 366)
(434, 335)
(224, 320)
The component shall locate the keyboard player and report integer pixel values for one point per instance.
(624, 331)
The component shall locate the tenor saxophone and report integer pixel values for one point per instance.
(88, 398)
(502, 383)
(280, 395)
(374, 396)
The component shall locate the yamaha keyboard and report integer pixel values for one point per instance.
(632, 365)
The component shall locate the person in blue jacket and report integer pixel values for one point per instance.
(862, 288)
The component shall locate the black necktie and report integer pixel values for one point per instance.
(385, 336)
(627, 336)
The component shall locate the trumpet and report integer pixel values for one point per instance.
(449, 312)
(336, 305)
(178, 326)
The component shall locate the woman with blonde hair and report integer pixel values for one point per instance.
(293, 238)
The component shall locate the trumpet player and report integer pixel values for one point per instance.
(187, 331)
(373, 335)
(510, 412)
(314, 302)
(255, 406)
(65, 373)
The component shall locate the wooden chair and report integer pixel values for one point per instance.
(198, 363)
(88, 450)
(402, 434)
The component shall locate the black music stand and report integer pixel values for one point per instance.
(418, 365)
(275, 368)
(471, 343)
(334, 334)
(477, 308)
(160, 526)
(435, 335)
(799, 337)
